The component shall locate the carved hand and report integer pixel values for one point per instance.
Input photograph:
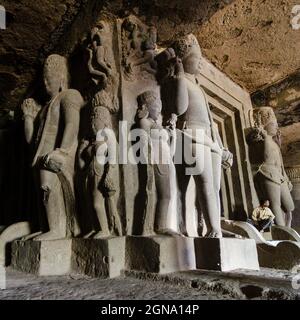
(171, 123)
(263, 132)
(290, 185)
(227, 159)
(30, 108)
(215, 147)
(55, 160)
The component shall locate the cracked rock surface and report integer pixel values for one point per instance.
(252, 41)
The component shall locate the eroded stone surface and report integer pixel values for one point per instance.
(42, 257)
(29, 28)
(160, 254)
(101, 258)
(227, 30)
(21, 286)
(252, 42)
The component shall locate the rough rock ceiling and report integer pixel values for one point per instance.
(253, 41)
(250, 40)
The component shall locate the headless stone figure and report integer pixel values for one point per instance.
(162, 152)
(206, 150)
(271, 180)
(55, 148)
(101, 184)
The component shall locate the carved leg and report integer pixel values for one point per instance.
(183, 182)
(149, 213)
(114, 216)
(217, 170)
(287, 203)
(203, 219)
(273, 194)
(162, 183)
(206, 189)
(54, 205)
(163, 220)
(99, 207)
(288, 219)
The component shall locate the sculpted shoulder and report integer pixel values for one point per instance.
(72, 98)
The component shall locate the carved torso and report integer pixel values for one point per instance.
(272, 166)
(159, 141)
(51, 127)
(197, 114)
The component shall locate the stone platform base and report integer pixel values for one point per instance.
(44, 258)
(107, 258)
(97, 258)
(226, 254)
(160, 254)
(104, 258)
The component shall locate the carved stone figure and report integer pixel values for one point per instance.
(160, 157)
(55, 147)
(271, 180)
(190, 104)
(100, 183)
(101, 65)
(138, 48)
(98, 65)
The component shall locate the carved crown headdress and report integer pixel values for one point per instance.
(183, 45)
(56, 64)
(144, 99)
(262, 116)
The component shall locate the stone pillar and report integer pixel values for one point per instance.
(293, 173)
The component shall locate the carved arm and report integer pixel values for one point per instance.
(30, 110)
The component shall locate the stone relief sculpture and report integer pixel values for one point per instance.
(138, 48)
(100, 184)
(98, 65)
(271, 180)
(100, 181)
(124, 67)
(189, 103)
(160, 157)
(55, 148)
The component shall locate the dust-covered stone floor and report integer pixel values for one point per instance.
(191, 285)
(29, 287)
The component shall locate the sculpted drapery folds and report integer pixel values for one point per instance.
(271, 180)
(55, 145)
